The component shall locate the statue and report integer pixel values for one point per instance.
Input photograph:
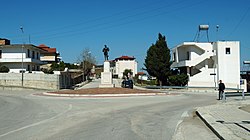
(105, 50)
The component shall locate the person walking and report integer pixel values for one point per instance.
(221, 89)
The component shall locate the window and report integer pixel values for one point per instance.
(33, 55)
(188, 56)
(227, 50)
(37, 55)
(0, 53)
(29, 68)
(28, 53)
(174, 57)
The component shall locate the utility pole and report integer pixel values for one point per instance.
(22, 54)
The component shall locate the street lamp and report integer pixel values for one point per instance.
(86, 58)
(22, 54)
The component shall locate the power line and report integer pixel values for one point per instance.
(240, 21)
(120, 21)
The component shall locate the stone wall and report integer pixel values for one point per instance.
(39, 81)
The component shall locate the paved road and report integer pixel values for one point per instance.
(28, 116)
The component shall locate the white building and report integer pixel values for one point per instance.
(207, 63)
(125, 62)
(20, 57)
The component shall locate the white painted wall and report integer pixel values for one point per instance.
(121, 65)
(12, 57)
(226, 66)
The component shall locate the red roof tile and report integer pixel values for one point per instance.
(46, 48)
(125, 58)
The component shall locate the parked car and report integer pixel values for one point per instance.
(127, 83)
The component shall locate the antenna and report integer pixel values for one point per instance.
(202, 28)
(217, 32)
(29, 40)
(21, 27)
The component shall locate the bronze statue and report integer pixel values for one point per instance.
(105, 50)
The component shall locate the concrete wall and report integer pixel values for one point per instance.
(228, 64)
(225, 66)
(39, 81)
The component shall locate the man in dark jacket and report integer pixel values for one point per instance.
(221, 89)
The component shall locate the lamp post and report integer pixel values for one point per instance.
(21, 28)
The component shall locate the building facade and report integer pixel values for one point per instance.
(18, 57)
(49, 55)
(125, 62)
(207, 63)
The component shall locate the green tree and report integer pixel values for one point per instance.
(126, 72)
(157, 61)
(58, 67)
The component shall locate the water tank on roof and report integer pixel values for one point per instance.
(203, 27)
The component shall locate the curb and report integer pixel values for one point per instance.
(209, 126)
(102, 95)
(220, 130)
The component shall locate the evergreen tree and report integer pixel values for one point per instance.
(157, 61)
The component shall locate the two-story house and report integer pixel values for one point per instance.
(125, 62)
(20, 57)
(208, 62)
(49, 55)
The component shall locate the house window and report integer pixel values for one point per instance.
(188, 55)
(28, 53)
(174, 57)
(33, 55)
(37, 55)
(33, 68)
(227, 50)
(0, 53)
(29, 68)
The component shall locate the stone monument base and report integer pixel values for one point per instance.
(106, 77)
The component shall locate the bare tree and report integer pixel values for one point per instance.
(87, 61)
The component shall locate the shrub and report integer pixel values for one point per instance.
(178, 80)
(4, 69)
(46, 71)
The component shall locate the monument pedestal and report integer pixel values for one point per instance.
(106, 76)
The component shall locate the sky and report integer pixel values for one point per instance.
(127, 27)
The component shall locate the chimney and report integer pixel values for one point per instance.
(4, 41)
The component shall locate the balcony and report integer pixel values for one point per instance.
(193, 62)
(19, 60)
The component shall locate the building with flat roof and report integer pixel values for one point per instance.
(208, 62)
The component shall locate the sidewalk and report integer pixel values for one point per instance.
(227, 120)
(96, 82)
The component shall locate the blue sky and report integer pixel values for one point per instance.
(127, 27)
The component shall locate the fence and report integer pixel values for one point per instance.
(228, 91)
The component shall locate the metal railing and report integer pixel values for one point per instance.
(230, 91)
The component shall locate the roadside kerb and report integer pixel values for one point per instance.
(216, 127)
(214, 118)
(103, 95)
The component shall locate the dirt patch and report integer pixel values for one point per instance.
(246, 108)
(104, 91)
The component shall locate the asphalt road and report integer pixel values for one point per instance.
(25, 116)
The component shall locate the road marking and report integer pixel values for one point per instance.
(183, 115)
(37, 123)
